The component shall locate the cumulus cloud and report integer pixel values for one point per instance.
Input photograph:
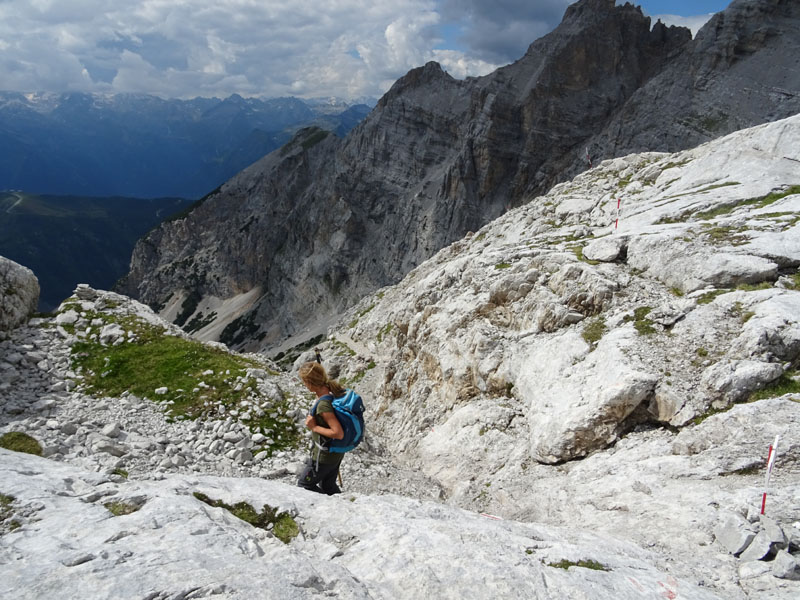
(500, 31)
(186, 48)
(692, 23)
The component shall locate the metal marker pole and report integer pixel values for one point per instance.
(773, 451)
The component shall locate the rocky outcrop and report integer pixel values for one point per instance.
(152, 539)
(19, 294)
(289, 243)
(688, 305)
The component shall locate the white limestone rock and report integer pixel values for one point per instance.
(732, 381)
(19, 294)
(786, 566)
(606, 249)
(579, 399)
(734, 533)
(350, 547)
(691, 266)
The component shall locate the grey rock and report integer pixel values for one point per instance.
(759, 548)
(112, 430)
(19, 294)
(786, 566)
(734, 533)
(606, 249)
(67, 317)
(774, 531)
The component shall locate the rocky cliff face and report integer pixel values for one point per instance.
(304, 233)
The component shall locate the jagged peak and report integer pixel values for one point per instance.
(428, 73)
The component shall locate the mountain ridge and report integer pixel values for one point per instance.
(440, 157)
(144, 146)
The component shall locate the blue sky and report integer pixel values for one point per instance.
(306, 48)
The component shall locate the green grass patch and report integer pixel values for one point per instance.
(20, 442)
(594, 330)
(315, 138)
(727, 234)
(788, 383)
(282, 525)
(757, 203)
(385, 330)
(358, 376)
(640, 321)
(119, 508)
(754, 287)
(585, 564)
(577, 249)
(343, 349)
(709, 297)
(199, 379)
(503, 265)
(6, 512)
(726, 209)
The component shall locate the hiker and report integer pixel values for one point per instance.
(322, 468)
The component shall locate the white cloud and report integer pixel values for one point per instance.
(185, 48)
(692, 23)
(191, 47)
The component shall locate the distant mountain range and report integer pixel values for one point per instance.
(148, 147)
(68, 240)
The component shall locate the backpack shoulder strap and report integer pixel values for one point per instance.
(320, 399)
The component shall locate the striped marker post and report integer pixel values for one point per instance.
(616, 222)
(773, 450)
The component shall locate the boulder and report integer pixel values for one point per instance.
(691, 266)
(734, 533)
(606, 249)
(579, 402)
(19, 294)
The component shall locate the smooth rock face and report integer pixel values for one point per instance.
(303, 234)
(19, 294)
(510, 354)
(69, 545)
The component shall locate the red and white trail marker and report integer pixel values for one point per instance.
(773, 450)
(616, 221)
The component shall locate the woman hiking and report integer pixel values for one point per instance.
(322, 468)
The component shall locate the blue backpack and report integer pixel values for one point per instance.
(349, 410)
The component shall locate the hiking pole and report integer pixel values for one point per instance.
(340, 478)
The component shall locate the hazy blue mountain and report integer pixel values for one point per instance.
(144, 146)
(68, 240)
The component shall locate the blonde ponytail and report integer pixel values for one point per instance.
(314, 374)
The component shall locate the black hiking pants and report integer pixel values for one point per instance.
(319, 478)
